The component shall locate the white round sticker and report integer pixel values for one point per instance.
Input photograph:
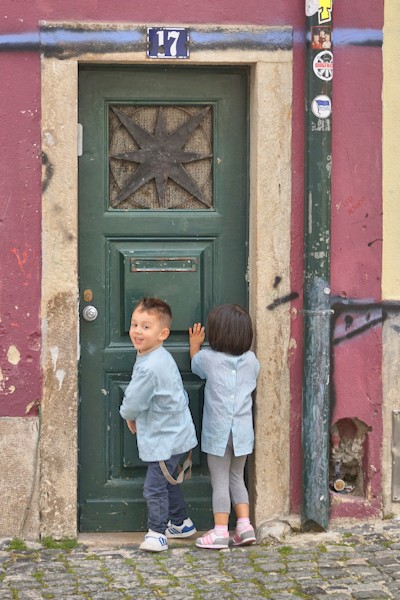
(323, 65)
(321, 106)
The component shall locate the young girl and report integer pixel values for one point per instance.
(230, 370)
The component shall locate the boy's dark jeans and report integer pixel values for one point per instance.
(164, 501)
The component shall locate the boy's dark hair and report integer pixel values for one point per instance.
(229, 329)
(158, 306)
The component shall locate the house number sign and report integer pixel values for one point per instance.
(167, 42)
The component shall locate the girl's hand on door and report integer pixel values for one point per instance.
(196, 338)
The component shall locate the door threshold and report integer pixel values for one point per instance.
(124, 538)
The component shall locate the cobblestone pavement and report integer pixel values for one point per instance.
(360, 562)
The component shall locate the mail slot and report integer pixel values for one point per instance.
(177, 271)
(175, 264)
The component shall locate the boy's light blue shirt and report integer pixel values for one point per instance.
(156, 399)
(230, 381)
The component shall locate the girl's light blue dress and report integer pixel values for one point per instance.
(230, 381)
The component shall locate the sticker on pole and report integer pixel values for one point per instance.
(323, 7)
(321, 106)
(165, 42)
(324, 11)
(312, 7)
(321, 38)
(323, 65)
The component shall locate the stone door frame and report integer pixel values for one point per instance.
(270, 57)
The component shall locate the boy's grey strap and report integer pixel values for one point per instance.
(185, 471)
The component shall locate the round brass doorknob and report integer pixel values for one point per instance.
(90, 313)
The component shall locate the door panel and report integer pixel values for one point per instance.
(162, 211)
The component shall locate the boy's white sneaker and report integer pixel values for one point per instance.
(154, 542)
(180, 531)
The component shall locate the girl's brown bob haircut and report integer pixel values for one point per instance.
(229, 329)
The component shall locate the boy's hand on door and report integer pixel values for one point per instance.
(131, 426)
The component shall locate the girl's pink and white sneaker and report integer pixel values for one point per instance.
(213, 541)
(244, 537)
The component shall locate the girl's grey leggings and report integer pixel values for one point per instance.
(227, 480)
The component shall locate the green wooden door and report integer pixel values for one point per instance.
(163, 195)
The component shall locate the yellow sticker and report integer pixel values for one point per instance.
(325, 11)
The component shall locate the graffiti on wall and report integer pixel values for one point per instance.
(47, 171)
(66, 42)
(353, 441)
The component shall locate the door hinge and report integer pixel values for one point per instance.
(80, 139)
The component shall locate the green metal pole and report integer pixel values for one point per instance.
(316, 410)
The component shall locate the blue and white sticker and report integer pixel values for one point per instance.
(321, 106)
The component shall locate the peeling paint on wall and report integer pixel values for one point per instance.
(54, 356)
(60, 374)
(356, 394)
(13, 355)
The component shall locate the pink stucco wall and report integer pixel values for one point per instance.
(20, 265)
(356, 189)
(357, 253)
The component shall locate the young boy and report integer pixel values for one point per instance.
(156, 408)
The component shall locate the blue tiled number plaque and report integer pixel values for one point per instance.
(167, 42)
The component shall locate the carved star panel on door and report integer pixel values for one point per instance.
(161, 157)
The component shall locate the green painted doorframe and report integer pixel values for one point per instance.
(316, 369)
(191, 255)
